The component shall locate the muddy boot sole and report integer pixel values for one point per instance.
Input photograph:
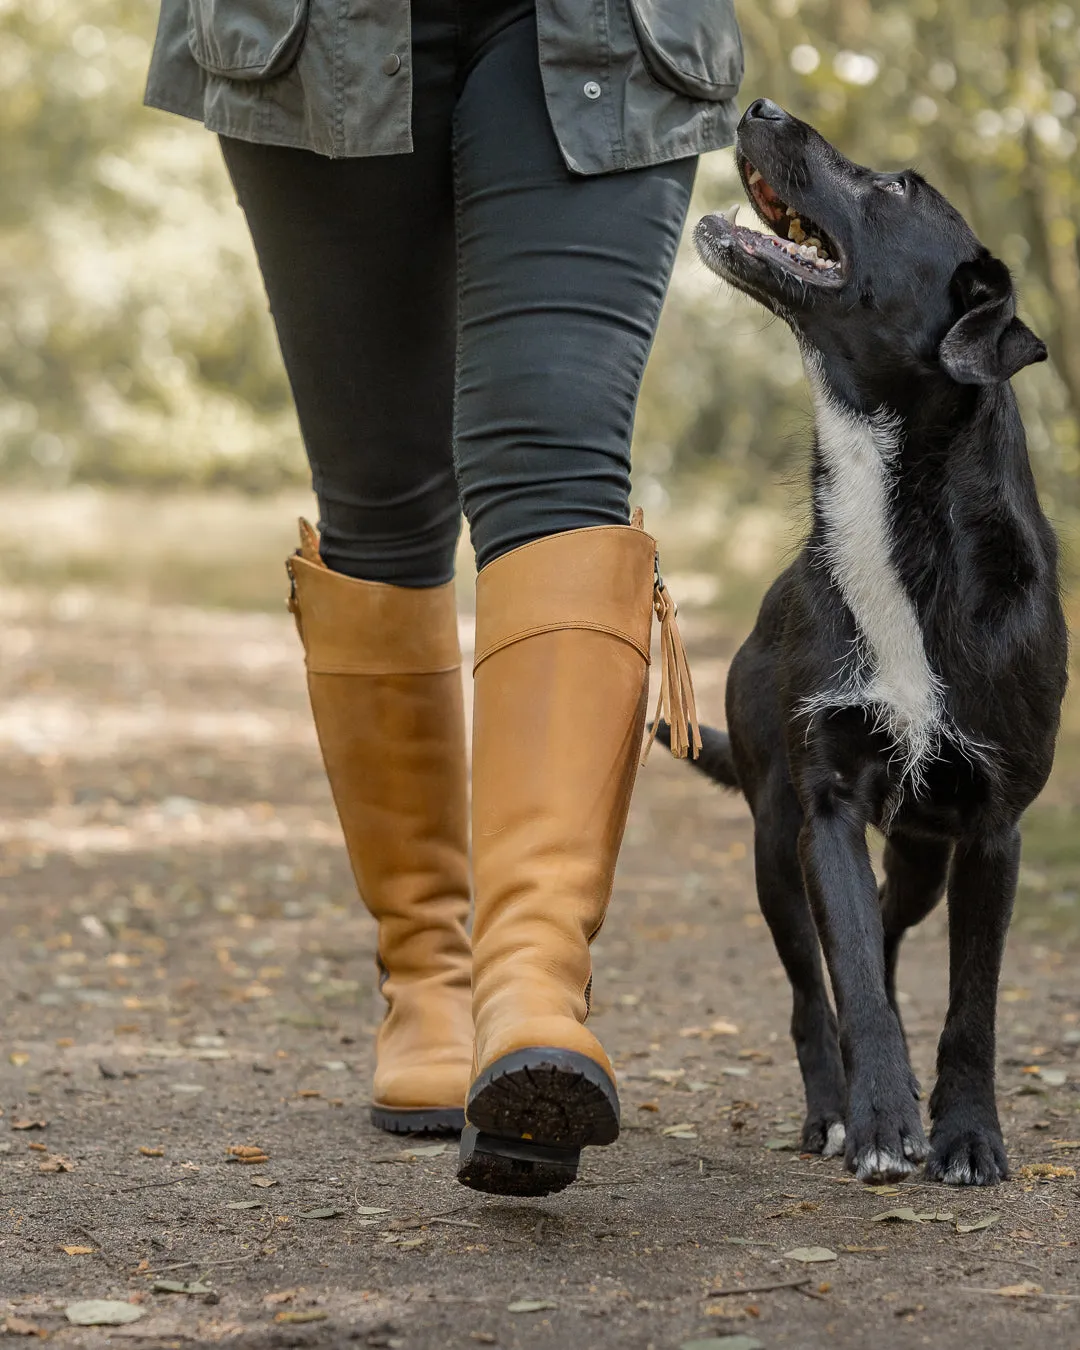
(418, 1120)
(529, 1116)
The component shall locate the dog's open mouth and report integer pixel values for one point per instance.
(797, 245)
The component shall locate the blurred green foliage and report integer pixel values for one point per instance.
(134, 341)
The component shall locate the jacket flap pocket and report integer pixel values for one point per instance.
(246, 39)
(691, 46)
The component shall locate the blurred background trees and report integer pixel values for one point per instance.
(135, 347)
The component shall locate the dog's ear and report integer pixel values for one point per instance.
(988, 344)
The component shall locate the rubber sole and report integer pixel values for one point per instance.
(529, 1116)
(418, 1120)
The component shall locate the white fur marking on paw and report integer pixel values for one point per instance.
(959, 1174)
(881, 1164)
(834, 1140)
(890, 671)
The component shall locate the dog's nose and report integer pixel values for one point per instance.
(766, 109)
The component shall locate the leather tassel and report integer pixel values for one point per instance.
(676, 702)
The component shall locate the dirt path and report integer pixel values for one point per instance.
(184, 969)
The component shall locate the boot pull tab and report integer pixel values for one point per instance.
(309, 552)
(676, 701)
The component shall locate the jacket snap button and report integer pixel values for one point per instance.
(391, 65)
(592, 89)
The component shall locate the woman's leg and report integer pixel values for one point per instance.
(562, 282)
(357, 256)
(358, 261)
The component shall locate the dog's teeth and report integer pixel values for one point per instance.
(791, 213)
(755, 177)
(814, 243)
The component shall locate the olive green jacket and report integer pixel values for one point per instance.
(627, 82)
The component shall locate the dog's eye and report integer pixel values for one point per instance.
(892, 185)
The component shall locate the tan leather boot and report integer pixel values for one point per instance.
(561, 680)
(384, 675)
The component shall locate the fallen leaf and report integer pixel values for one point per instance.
(531, 1305)
(895, 1216)
(313, 1315)
(151, 1152)
(372, 1209)
(1054, 1077)
(19, 1326)
(685, 1130)
(56, 1162)
(935, 1216)
(850, 1248)
(427, 1151)
(29, 1124)
(38, 1148)
(668, 1076)
(102, 1312)
(979, 1224)
(483, 1337)
(328, 1213)
(781, 1145)
(19, 1058)
(882, 1190)
(810, 1254)
(724, 1343)
(79, 1251)
(264, 1182)
(246, 1151)
(1023, 1290)
(649, 1106)
(282, 1296)
(245, 1204)
(180, 1287)
(309, 1092)
(333, 1065)
(1047, 1172)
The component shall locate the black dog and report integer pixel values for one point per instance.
(907, 670)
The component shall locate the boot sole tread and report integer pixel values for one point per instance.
(530, 1114)
(418, 1120)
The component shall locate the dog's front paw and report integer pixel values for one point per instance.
(823, 1133)
(967, 1153)
(885, 1145)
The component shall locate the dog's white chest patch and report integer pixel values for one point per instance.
(889, 670)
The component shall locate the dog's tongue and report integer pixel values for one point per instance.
(767, 199)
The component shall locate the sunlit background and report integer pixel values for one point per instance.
(147, 443)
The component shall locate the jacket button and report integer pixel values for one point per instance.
(592, 89)
(391, 64)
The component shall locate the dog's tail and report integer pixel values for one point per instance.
(715, 760)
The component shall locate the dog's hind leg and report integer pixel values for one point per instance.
(915, 872)
(782, 895)
(884, 1132)
(966, 1147)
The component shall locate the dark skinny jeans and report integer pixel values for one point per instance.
(466, 326)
